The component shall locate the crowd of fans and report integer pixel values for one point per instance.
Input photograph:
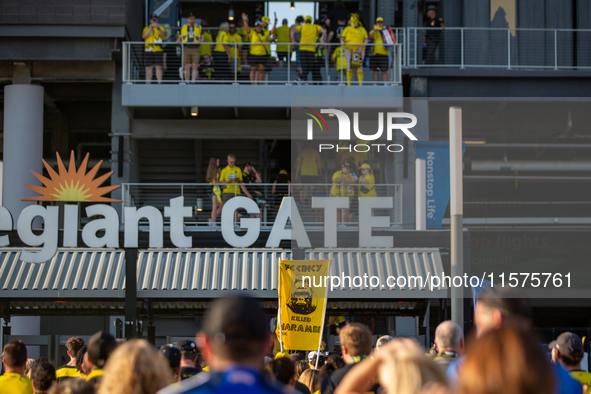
(234, 354)
(307, 38)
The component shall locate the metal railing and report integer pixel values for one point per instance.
(474, 47)
(268, 197)
(236, 68)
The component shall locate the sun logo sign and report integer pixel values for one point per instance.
(71, 184)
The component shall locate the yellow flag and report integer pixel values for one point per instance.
(302, 302)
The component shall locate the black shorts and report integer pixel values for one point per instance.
(308, 179)
(283, 56)
(153, 58)
(255, 60)
(378, 61)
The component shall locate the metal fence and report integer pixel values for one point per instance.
(464, 47)
(327, 67)
(267, 195)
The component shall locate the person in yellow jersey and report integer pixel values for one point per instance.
(309, 36)
(100, 346)
(366, 182)
(342, 186)
(354, 38)
(308, 168)
(283, 39)
(191, 37)
(14, 359)
(205, 48)
(259, 54)
(221, 54)
(568, 351)
(69, 371)
(232, 174)
(153, 34)
(378, 60)
(234, 47)
(338, 60)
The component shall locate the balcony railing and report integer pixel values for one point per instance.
(267, 195)
(327, 69)
(472, 47)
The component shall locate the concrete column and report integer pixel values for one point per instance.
(23, 144)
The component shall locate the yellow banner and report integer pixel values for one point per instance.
(302, 303)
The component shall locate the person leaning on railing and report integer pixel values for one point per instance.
(259, 57)
(379, 54)
(191, 36)
(153, 53)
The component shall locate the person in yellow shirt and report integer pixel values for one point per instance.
(283, 39)
(342, 186)
(259, 55)
(308, 168)
(265, 21)
(338, 59)
(69, 371)
(232, 174)
(191, 36)
(354, 38)
(366, 182)
(307, 45)
(221, 54)
(14, 358)
(234, 47)
(153, 53)
(379, 54)
(207, 38)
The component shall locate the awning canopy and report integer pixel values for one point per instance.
(86, 279)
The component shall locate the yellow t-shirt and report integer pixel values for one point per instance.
(234, 50)
(206, 48)
(15, 383)
(282, 34)
(191, 33)
(339, 60)
(367, 189)
(342, 190)
(229, 174)
(308, 160)
(378, 49)
(354, 35)
(154, 37)
(97, 373)
(582, 377)
(256, 38)
(220, 40)
(67, 372)
(309, 36)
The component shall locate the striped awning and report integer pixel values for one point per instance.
(208, 273)
(71, 273)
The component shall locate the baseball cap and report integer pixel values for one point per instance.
(345, 164)
(258, 23)
(99, 348)
(190, 15)
(247, 164)
(364, 165)
(235, 319)
(154, 15)
(568, 344)
(308, 18)
(379, 19)
(431, 7)
(186, 345)
(265, 19)
(282, 172)
(312, 354)
(172, 354)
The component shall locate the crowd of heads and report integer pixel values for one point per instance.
(502, 356)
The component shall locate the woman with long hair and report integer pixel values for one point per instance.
(312, 378)
(135, 367)
(213, 176)
(300, 367)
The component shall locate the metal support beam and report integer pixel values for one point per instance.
(456, 211)
(130, 293)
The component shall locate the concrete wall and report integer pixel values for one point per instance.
(64, 11)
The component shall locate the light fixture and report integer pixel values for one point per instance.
(292, 4)
(231, 14)
(199, 204)
(194, 111)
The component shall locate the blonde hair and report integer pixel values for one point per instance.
(408, 371)
(225, 26)
(312, 378)
(356, 338)
(135, 367)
